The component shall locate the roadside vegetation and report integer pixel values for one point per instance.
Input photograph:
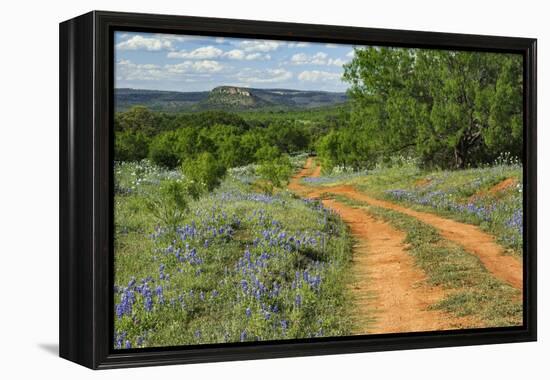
(490, 196)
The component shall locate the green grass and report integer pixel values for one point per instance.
(242, 266)
(462, 195)
(472, 290)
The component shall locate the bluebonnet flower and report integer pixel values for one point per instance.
(128, 344)
(248, 312)
(126, 302)
(243, 335)
(119, 310)
(298, 300)
(119, 338)
(148, 303)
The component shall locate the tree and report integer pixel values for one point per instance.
(275, 173)
(451, 108)
(164, 150)
(131, 146)
(267, 153)
(137, 119)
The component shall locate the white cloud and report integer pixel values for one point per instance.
(263, 76)
(205, 66)
(220, 40)
(127, 70)
(351, 54)
(139, 42)
(257, 56)
(259, 45)
(211, 52)
(319, 58)
(204, 52)
(235, 54)
(318, 76)
(332, 46)
(299, 59)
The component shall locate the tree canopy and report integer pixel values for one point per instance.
(449, 108)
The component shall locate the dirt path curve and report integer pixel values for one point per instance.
(391, 293)
(506, 268)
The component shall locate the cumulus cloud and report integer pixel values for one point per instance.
(212, 52)
(263, 46)
(127, 70)
(206, 66)
(318, 76)
(257, 56)
(204, 52)
(319, 58)
(235, 54)
(139, 42)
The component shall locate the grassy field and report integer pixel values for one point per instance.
(241, 266)
(490, 197)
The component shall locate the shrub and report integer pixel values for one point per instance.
(275, 173)
(170, 203)
(204, 171)
(131, 146)
(163, 150)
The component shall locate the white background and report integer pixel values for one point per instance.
(29, 187)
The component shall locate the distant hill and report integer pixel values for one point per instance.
(225, 97)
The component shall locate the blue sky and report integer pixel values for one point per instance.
(197, 63)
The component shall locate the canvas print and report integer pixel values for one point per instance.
(268, 190)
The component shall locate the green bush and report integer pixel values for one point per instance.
(170, 203)
(131, 146)
(163, 150)
(267, 153)
(275, 173)
(204, 171)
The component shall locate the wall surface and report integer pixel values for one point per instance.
(29, 190)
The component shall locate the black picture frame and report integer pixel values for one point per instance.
(86, 188)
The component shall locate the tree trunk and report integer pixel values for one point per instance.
(460, 158)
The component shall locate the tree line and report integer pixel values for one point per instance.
(168, 139)
(450, 109)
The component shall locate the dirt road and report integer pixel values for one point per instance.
(391, 294)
